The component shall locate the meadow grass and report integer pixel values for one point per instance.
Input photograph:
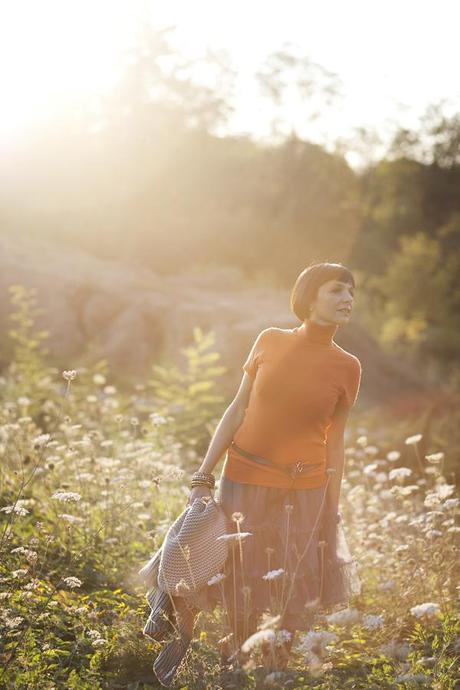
(92, 477)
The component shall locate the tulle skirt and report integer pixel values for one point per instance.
(294, 562)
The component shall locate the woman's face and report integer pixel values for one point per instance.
(333, 303)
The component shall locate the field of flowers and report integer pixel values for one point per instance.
(92, 476)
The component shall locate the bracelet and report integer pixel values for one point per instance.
(203, 479)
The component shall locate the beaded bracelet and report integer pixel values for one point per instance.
(203, 479)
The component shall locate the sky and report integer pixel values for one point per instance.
(393, 58)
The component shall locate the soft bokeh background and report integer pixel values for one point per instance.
(166, 171)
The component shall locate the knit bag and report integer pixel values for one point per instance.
(192, 552)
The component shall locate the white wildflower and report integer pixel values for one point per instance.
(371, 450)
(345, 617)
(216, 579)
(434, 457)
(393, 455)
(16, 509)
(427, 609)
(445, 490)
(316, 641)
(99, 642)
(395, 650)
(69, 375)
(450, 503)
(93, 634)
(273, 574)
(66, 496)
(399, 473)
(372, 622)
(20, 572)
(257, 639)
(362, 441)
(369, 469)
(412, 440)
(283, 636)
(72, 582)
(72, 519)
(99, 379)
(234, 536)
(157, 419)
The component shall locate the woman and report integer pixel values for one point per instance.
(284, 437)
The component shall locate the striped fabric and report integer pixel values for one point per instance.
(190, 555)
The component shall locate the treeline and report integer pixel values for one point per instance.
(143, 178)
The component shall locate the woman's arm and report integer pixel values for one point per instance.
(231, 420)
(336, 456)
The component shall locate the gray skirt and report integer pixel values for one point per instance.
(294, 562)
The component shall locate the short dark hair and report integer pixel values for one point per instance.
(310, 280)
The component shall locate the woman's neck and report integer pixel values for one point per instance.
(318, 333)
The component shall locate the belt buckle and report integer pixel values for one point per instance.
(298, 468)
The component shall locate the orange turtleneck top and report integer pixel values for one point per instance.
(300, 376)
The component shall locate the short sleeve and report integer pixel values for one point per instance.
(353, 382)
(255, 356)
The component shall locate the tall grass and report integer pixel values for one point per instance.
(91, 478)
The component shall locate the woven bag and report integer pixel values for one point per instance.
(191, 552)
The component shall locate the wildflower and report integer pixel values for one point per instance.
(41, 440)
(216, 579)
(399, 473)
(427, 609)
(134, 421)
(362, 441)
(23, 401)
(69, 375)
(283, 636)
(30, 555)
(371, 622)
(66, 496)
(434, 457)
(450, 503)
(110, 390)
(371, 450)
(369, 469)
(393, 455)
(21, 572)
(99, 379)
(157, 419)
(273, 574)
(257, 639)
(13, 622)
(234, 536)
(316, 641)
(99, 642)
(182, 588)
(93, 634)
(72, 582)
(331, 470)
(344, 617)
(445, 490)
(237, 517)
(412, 440)
(17, 509)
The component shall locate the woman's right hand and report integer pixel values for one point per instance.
(198, 492)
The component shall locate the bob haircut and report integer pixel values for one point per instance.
(310, 280)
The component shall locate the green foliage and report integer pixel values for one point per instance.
(188, 394)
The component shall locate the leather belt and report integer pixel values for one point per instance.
(292, 470)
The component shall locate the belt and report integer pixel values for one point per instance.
(291, 470)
